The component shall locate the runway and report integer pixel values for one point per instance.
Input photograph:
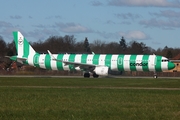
(55, 76)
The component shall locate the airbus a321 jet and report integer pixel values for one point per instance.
(92, 64)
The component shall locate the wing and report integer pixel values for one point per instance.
(84, 66)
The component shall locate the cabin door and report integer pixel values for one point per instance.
(153, 63)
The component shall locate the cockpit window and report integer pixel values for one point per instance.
(165, 60)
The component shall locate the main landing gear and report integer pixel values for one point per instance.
(87, 75)
(95, 75)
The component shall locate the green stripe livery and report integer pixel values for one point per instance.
(145, 61)
(99, 63)
(59, 64)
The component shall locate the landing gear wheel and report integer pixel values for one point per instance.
(86, 75)
(155, 75)
(95, 75)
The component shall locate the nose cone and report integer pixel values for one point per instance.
(171, 65)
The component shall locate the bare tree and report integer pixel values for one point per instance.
(112, 48)
(3, 47)
(11, 49)
(99, 46)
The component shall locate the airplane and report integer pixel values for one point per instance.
(92, 64)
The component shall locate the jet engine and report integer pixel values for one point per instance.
(101, 70)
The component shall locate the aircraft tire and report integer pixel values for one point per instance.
(155, 76)
(86, 75)
(95, 75)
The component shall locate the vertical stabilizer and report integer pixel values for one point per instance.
(23, 48)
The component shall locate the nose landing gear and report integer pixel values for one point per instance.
(155, 75)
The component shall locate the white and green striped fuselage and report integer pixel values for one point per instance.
(113, 62)
(97, 64)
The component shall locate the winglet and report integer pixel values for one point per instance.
(53, 58)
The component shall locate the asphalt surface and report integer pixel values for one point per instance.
(49, 76)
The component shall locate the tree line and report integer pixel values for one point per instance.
(69, 44)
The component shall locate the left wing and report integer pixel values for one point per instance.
(84, 66)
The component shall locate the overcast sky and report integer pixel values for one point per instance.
(153, 22)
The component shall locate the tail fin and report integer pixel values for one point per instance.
(23, 48)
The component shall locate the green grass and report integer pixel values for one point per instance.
(84, 99)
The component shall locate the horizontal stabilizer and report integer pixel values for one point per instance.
(16, 58)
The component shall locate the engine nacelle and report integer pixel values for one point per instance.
(101, 70)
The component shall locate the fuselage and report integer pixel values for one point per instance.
(115, 62)
(95, 64)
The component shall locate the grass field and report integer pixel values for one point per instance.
(89, 99)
